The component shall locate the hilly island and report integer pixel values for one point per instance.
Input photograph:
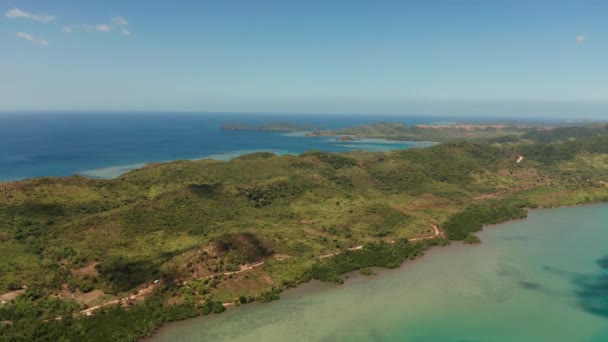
(114, 259)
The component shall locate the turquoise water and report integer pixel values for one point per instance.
(106, 145)
(540, 279)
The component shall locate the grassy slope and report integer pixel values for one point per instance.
(165, 220)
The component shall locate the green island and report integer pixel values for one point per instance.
(89, 259)
(491, 132)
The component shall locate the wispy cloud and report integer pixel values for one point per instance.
(16, 13)
(72, 28)
(120, 21)
(581, 39)
(121, 24)
(32, 39)
(103, 28)
(116, 23)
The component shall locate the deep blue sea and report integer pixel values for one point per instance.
(108, 144)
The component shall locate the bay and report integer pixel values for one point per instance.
(540, 279)
(105, 145)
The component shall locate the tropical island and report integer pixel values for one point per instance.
(89, 258)
(490, 132)
(346, 138)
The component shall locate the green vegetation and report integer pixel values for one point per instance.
(241, 247)
(366, 271)
(460, 226)
(175, 240)
(437, 133)
(496, 133)
(546, 136)
(553, 154)
(374, 254)
(37, 321)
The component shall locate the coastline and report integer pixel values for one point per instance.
(465, 217)
(315, 286)
(115, 171)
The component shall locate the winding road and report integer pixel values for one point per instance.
(436, 233)
(88, 312)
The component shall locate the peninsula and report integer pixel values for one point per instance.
(478, 132)
(117, 258)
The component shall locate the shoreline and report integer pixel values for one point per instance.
(317, 286)
(428, 204)
(230, 155)
(117, 170)
(313, 286)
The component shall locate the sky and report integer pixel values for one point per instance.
(460, 57)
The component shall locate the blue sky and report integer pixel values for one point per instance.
(437, 57)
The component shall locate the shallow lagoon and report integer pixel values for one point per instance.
(540, 279)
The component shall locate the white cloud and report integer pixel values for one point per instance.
(16, 13)
(69, 29)
(120, 21)
(32, 39)
(103, 28)
(581, 39)
(117, 23)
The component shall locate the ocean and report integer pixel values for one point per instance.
(105, 145)
(540, 279)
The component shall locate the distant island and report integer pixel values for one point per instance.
(272, 127)
(346, 138)
(118, 258)
(497, 132)
(437, 133)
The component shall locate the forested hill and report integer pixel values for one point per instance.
(565, 133)
(187, 236)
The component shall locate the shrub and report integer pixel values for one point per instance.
(246, 246)
(460, 225)
(366, 271)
